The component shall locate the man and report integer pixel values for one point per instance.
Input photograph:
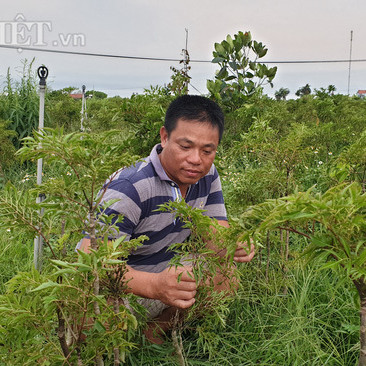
(181, 167)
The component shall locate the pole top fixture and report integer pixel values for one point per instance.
(42, 74)
(84, 88)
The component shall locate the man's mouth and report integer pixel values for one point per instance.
(192, 173)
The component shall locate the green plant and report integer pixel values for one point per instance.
(282, 93)
(79, 296)
(144, 115)
(240, 74)
(208, 264)
(351, 163)
(335, 225)
(305, 90)
(7, 149)
(63, 111)
(22, 103)
(180, 78)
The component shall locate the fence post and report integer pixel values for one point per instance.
(38, 241)
(83, 109)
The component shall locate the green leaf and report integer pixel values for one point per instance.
(233, 65)
(49, 284)
(361, 258)
(217, 60)
(230, 41)
(85, 257)
(246, 38)
(238, 43)
(227, 46)
(222, 73)
(64, 271)
(118, 241)
(299, 215)
(219, 48)
(98, 326)
(332, 264)
(60, 263)
(81, 266)
(114, 261)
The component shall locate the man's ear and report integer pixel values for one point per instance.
(163, 136)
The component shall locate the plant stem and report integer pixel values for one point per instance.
(177, 340)
(117, 361)
(96, 284)
(61, 333)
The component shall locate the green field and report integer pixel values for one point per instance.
(290, 309)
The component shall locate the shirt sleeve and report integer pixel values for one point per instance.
(215, 205)
(128, 205)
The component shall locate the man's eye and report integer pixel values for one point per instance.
(184, 147)
(207, 152)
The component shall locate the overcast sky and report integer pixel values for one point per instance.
(291, 29)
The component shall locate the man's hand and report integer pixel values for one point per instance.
(167, 289)
(243, 253)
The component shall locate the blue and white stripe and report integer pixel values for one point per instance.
(140, 190)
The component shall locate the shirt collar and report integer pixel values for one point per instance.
(154, 158)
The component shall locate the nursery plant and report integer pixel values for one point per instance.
(73, 311)
(334, 223)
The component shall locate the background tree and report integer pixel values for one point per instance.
(325, 92)
(282, 93)
(96, 94)
(305, 90)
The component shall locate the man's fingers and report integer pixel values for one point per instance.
(243, 254)
(186, 274)
(187, 295)
(186, 286)
(184, 304)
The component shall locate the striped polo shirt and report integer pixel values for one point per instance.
(141, 189)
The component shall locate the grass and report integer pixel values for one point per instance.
(315, 323)
(16, 256)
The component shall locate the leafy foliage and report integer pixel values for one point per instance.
(334, 223)
(7, 149)
(240, 74)
(180, 78)
(305, 90)
(212, 266)
(22, 103)
(282, 93)
(80, 297)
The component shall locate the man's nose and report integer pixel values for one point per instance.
(194, 157)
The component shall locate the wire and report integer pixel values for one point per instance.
(195, 88)
(167, 59)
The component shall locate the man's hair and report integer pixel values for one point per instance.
(194, 107)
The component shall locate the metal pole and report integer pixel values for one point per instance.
(38, 241)
(350, 60)
(83, 111)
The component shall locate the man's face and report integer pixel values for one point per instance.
(189, 151)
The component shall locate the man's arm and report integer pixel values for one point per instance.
(163, 286)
